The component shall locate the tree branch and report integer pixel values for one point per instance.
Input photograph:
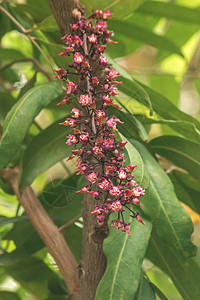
(46, 229)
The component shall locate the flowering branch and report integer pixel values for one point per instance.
(95, 133)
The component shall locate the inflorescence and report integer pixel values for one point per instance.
(100, 155)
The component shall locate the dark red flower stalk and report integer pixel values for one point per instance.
(100, 155)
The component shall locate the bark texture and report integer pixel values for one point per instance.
(93, 264)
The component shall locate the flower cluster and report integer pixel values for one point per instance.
(99, 155)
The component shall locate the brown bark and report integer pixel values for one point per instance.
(62, 11)
(47, 230)
(93, 262)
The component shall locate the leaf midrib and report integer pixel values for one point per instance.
(164, 210)
(168, 268)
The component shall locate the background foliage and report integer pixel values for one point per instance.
(158, 57)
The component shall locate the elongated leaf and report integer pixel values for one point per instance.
(117, 7)
(146, 36)
(170, 219)
(5, 295)
(182, 152)
(183, 127)
(145, 290)
(185, 191)
(170, 11)
(10, 55)
(46, 149)
(124, 258)
(185, 273)
(21, 116)
(164, 108)
(36, 281)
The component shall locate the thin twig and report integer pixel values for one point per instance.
(39, 67)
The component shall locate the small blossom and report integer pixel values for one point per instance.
(71, 87)
(84, 100)
(75, 113)
(84, 137)
(130, 168)
(92, 38)
(122, 174)
(103, 60)
(92, 177)
(95, 81)
(72, 139)
(140, 220)
(104, 184)
(115, 191)
(116, 206)
(78, 58)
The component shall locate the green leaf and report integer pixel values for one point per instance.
(185, 128)
(33, 274)
(6, 102)
(184, 190)
(145, 290)
(124, 258)
(10, 55)
(144, 35)
(170, 11)
(45, 150)
(158, 291)
(170, 219)
(116, 7)
(48, 24)
(21, 116)
(5, 295)
(185, 273)
(136, 91)
(184, 153)
(165, 109)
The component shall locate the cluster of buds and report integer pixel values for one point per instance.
(99, 155)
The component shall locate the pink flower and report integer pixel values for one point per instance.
(84, 100)
(140, 220)
(92, 177)
(78, 58)
(84, 137)
(116, 206)
(112, 74)
(83, 190)
(98, 151)
(103, 60)
(72, 139)
(113, 90)
(71, 87)
(130, 168)
(108, 143)
(107, 14)
(104, 184)
(115, 191)
(109, 41)
(92, 38)
(101, 49)
(100, 114)
(69, 122)
(75, 113)
(77, 41)
(136, 202)
(95, 81)
(138, 191)
(122, 174)
(97, 210)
